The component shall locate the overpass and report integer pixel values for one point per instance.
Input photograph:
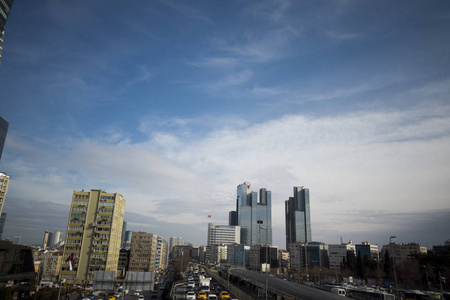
(278, 288)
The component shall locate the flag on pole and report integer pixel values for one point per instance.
(69, 260)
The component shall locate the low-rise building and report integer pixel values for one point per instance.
(337, 253)
(238, 255)
(403, 252)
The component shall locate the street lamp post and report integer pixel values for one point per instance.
(267, 251)
(395, 273)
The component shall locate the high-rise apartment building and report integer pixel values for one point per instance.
(5, 7)
(253, 216)
(94, 232)
(298, 220)
(223, 234)
(4, 184)
(3, 123)
(143, 252)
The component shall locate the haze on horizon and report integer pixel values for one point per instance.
(174, 103)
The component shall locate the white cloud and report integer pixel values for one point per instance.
(359, 161)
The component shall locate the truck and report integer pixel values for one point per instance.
(205, 284)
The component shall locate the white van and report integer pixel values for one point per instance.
(338, 291)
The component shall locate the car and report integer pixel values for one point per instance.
(137, 292)
(190, 296)
(111, 298)
(212, 297)
(224, 295)
(202, 295)
(141, 297)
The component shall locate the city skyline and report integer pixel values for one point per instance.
(350, 99)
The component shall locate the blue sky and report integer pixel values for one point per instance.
(175, 103)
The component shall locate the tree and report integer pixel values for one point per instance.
(351, 260)
(360, 267)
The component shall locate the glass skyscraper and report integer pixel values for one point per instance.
(3, 130)
(254, 217)
(298, 220)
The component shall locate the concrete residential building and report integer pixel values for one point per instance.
(50, 266)
(94, 232)
(254, 217)
(223, 234)
(297, 255)
(4, 184)
(238, 255)
(297, 216)
(403, 252)
(337, 253)
(216, 254)
(258, 254)
(143, 252)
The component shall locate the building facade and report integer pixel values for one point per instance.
(253, 216)
(297, 216)
(238, 255)
(143, 252)
(57, 238)
(297, 255)
(400, 253)
(337, 253)
(4, 184)
(262, 255)
(50, 265)
(93, 235)
(367, 251)
(223, 234)
(216, 254)
(317, 254)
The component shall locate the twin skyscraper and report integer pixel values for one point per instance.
(254, 216)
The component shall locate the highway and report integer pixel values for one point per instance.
(283, 287)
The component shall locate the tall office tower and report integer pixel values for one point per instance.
(46, 239)
(56, 238)
(5, 7)
(124, 232)
(2, 223)
(93, 235)
(3, 123)
(4, 184)
(143, 252)
(232, 218)
(298, 221)
(255, 218)
(222, 234)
